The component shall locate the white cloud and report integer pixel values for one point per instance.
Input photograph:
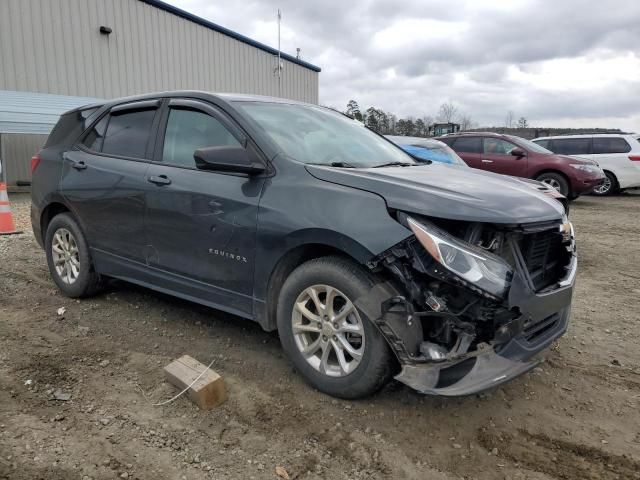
(569, 63)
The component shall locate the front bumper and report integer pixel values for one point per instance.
(544, 318)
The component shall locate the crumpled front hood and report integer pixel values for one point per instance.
(444, 191)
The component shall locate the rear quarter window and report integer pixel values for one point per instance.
(610, 145)
(69, 127)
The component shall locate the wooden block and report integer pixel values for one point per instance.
(208, 392)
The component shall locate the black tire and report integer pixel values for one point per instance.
(557, 181)
(377, 364)
(88, 282)
(614, 187)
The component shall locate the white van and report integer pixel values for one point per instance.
(617, 154)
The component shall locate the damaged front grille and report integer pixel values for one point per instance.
(545, 256)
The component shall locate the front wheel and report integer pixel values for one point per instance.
(330, 341)
(556, 181)
(608, 187)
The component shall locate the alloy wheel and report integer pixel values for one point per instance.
(604, 188)
(552, 182)
(66, 257)
(328, 330)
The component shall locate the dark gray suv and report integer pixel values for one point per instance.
(368, 263)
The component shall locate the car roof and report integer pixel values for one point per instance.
(587, 135)
(228, 97)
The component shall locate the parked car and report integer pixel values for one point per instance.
(516, 156)
(428, 149)
(617, 154)
(432, 150)
(367, 263)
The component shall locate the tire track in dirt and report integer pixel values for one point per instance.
(559, 458)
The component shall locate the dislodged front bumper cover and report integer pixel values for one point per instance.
(489, 365)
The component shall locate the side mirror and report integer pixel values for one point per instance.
(227, 159)
(518, 152)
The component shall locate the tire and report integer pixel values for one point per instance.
(348, 281)
(83, 281)
(557, 181)
(610, 187)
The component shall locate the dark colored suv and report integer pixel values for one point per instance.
(511, 155)
(367, 263)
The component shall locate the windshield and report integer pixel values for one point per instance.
(529, 145)
(319, 136)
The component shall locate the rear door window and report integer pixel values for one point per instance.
(610, 145)
(571, 146)
(128, 133)
(468, 144)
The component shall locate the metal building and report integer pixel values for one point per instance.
(80, 50)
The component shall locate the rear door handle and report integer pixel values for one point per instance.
(78, 164)
(159, 180)
(484, 160)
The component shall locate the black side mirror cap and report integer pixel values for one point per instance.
(518, 152)
(227, 159)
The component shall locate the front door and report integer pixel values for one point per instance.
(497, 157)
(201, 225)
(103, 180)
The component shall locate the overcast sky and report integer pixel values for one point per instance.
(559, 63)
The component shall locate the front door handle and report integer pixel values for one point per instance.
(159, 180)
(484, 160)
(78, 164)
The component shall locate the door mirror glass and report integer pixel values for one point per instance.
(227, 159)
(518, 152)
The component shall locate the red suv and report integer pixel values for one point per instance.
(516, 156)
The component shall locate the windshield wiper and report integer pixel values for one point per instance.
(335, 164)
(395, 164)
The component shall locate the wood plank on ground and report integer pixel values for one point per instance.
(208, 392)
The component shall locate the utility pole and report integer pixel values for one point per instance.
(279, 60)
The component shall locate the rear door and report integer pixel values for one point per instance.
(201, 225)
(615, 155)
(496, 157)
(103, 179)
(470, 150)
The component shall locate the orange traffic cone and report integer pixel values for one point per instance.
(7, 227)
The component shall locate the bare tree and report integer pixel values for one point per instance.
(448, 112)
(522, 122)
(465, 121)
(508, 122)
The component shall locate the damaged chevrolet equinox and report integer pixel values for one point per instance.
(369, 264)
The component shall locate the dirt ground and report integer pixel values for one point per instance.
(576, 417)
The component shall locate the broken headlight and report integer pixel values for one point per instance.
(474, 265)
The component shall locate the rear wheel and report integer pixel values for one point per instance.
(557, 181)
(69, 258)
(329, 340)
(609, 187)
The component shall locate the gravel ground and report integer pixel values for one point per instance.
(77, 388)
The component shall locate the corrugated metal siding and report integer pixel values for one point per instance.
(16, 151)
(54, 46)
(27, 112)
